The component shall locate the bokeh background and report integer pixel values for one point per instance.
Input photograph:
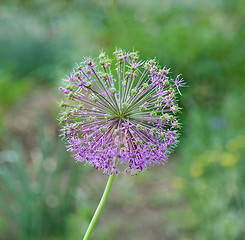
(199, 194)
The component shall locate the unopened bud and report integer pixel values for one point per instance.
(125, 105)
(108, 62)
(128, 73)
(153, 130)
(153, 114)
(89, 137)
(113, 90)
(166, 83)
(151, 146)
(71, 94)
(175, 109)
(176, 124)
(142, 108)
(139, 127)
(94, 98)
(133, 91)
(145, 85)
(91, 119)
(88, 84)
(138, 142)
(159, 99)
(120, 58)
(102, 55)
(104, 76)
(62, 104)
(80, 107)
(107, 116)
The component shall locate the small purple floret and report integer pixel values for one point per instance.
(65, 91)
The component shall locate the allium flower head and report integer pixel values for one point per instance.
(121, 112)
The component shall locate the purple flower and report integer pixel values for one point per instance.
(123, 116)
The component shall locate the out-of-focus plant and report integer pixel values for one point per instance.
(19, 87)
(201, 39)
(37, 195)
(212, 175)
(42, 45)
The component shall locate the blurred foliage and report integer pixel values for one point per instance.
(211, 175)
(201, 39)
(18, 89)
(39, 194)
(7, 98)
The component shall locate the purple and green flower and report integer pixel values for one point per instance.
(120, 114)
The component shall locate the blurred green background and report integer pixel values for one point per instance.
(199, 194)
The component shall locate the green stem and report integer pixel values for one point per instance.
(99, 208)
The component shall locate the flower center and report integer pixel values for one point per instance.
(121, 114)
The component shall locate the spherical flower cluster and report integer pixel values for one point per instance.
(121, 115)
